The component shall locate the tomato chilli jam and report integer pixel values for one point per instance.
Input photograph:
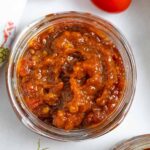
(71, 76)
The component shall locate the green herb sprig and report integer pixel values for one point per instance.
(39, 146)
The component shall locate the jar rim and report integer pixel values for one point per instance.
(29, 119)
(137, 142)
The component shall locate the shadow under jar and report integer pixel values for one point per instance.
(71, 76)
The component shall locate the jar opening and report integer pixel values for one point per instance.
(18, 51)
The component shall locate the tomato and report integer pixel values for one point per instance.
(114, 6)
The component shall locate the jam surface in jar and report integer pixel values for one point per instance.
(71, 76)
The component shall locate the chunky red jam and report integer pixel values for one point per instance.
(71, 76)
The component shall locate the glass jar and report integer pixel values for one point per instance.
(141, 142)
(37, 125)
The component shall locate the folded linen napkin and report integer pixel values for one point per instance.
(10, 14)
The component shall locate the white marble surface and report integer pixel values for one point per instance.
(135, 25)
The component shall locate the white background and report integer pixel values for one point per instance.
(135, 25)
